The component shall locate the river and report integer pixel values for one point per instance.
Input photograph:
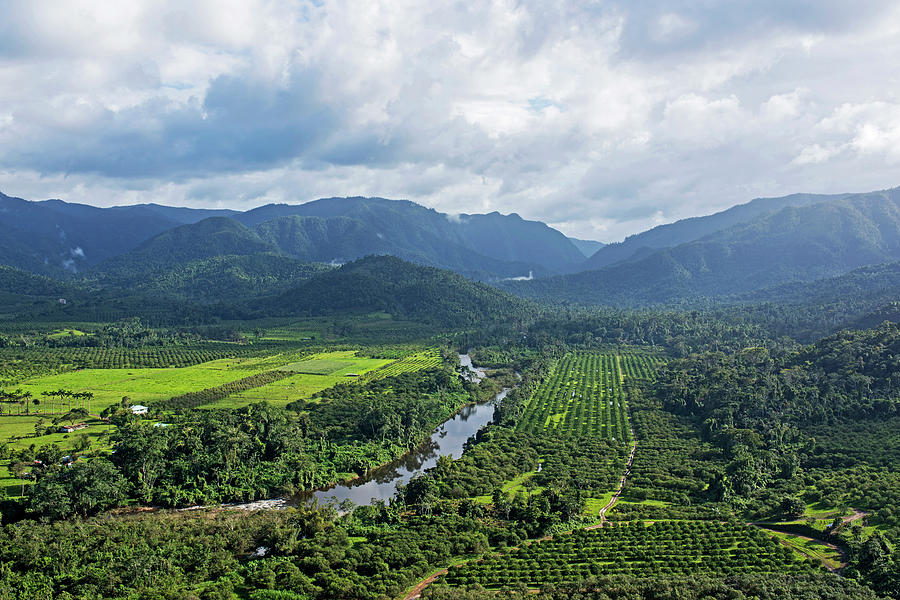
(448, 439)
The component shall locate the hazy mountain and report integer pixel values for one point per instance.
(54, 237)
(341, 229)
(179, 214)
(405, 290)
(587, 247)
(695, 228)
(802, 243)
(215, 236)
(227, 278)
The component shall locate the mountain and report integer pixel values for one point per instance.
(229, 278)
(695, 228)
(178, 214)
(797, 243)
(53, 237)
(587, 247)
(406, 291)
(481, 246)
(215, 236)
(58, 238)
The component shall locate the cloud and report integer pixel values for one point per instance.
(602, 117)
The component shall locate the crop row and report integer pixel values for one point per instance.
(583, 395)
(214, 394)
(19, 363)
(640, 366)
(633, 548)
(415, 362)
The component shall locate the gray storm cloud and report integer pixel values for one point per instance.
(602, 118)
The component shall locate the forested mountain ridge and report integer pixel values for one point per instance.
(405, 290)
(342, 229)
(58, 238)
(215, 236)
(695, 228)
(794, 244)
(53, 237)
(220, 278)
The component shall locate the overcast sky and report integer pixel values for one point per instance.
(600, 118)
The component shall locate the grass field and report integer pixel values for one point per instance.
(830, 557)
(314, 374)
(143, 386)
(513, 487)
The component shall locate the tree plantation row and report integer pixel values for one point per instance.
(785, 436)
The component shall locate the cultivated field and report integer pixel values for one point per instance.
(314, 374)
(142, 386)
(667, 548)
(584, 395)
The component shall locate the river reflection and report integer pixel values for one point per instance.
(381, 483)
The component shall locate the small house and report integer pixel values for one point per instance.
(139, 409)
(66, 429)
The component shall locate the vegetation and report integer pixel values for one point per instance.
(674, 548)
(735, 448)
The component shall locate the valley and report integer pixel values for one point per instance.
(424, 433)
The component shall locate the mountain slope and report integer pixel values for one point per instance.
(587, 247)
(491, 245)
(405, 290)
(695, 228)
(793, 244)
(215, 236)
(230, 278)
(54, 237)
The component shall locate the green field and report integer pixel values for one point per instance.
(829, 557)
(419, 361)
(332, 368)
(18, 433)
(584, 395)
(643, 550)
(143, 386)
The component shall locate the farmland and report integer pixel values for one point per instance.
(427, 359)
(666, 548)
(144, 385)
(584, 395)
(313, 374)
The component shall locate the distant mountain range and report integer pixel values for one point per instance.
(793, 249)
(587, 247)
(56, 238)
(759, 245)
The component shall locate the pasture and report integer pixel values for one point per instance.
(141, 386)
(314, 374)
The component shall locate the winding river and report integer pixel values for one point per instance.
(448, 439)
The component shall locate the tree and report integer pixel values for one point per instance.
(21, 469)
(794, 507)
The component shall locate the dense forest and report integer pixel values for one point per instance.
(203, 420)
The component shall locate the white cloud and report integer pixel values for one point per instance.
(603, 118)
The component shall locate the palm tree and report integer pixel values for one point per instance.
(20, 469)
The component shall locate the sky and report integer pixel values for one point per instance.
(600, 118)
